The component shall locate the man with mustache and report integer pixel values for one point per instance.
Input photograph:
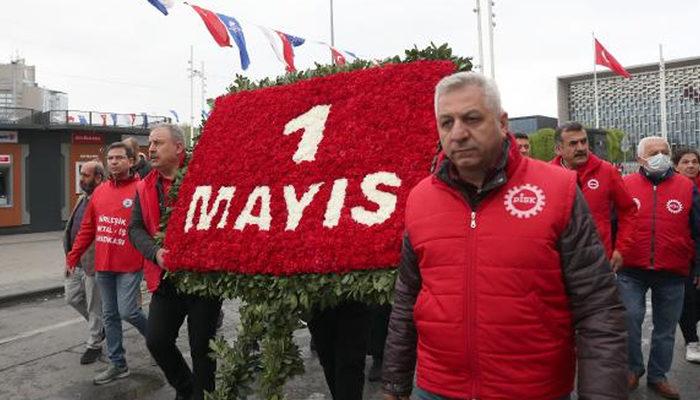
(81, 290)
(503, 290)
(169, 307)
(602, 187)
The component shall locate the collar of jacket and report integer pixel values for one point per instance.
(656, 180)
(132, 177)
(498, 176)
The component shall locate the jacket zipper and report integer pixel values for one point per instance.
(653, 229)
(471, 308)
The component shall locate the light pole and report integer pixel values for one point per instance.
(480, 37)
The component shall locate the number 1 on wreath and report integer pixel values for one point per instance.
(313, 123)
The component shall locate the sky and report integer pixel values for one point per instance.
(124, 56)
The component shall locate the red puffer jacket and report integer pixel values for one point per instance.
(664, 238)
(150, 211)
(603, 189)
(492, 315)
(106, 222)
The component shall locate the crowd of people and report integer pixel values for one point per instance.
(517, 279)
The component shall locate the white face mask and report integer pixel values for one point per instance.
(658, 164)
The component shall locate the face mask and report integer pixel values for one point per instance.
(658, 164)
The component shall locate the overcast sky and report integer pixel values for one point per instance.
(124, 56)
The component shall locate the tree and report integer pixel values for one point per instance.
(614, 140)
(542, 144)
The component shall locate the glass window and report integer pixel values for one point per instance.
(5, 180)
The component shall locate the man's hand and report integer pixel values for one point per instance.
(696, 282)
(616, 261)
(69, 270)
(392, 397)
(160, 257)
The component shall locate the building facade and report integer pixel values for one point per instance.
(633, 105)
(19, 89)
(531, 123)
(41, 154)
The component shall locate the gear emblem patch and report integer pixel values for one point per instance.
(674, 206)
(524, 201)
(593, 184)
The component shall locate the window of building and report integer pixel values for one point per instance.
(5, 180)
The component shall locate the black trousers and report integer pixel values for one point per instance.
(379, 326)
(341, 334)
(691, 312)
(166, 314)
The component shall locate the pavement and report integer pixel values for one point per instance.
(41, 340)
(30, 265)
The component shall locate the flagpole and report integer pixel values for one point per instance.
(191, 71)
(204, 90)
(477, 10)
(595, 87)
(492, 24)
(662, 92)
(332, 28)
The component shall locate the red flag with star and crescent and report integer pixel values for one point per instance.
(604, 58)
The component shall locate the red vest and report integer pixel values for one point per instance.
(150, 210)
(664, 240)
(602, 186)
(492, 314)
(106, 222)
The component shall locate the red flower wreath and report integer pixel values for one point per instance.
(310, 177)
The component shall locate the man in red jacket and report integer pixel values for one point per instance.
(118, 265)
(503, 285)
(602, 187)
(168, 306)
(665, 252)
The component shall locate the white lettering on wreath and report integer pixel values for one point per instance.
(295, 208)
(313, 123)
(386, 201)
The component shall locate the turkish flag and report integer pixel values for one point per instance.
(214, 25)
(338, 58)
(604, 58)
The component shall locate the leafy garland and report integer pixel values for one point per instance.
(273, 306)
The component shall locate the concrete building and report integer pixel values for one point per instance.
(531, 123)
(19, 89)
(632, 105)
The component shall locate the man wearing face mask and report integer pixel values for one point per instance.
(666, 252)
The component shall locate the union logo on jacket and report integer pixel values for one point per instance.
(664, 240)
(492, 316)
(106, 222)
(602, 186)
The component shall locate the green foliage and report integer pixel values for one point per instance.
(273, 306)
(433, 52)
(614, 139)
(542, 144)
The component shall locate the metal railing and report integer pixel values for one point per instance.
(19, 116)
(76, 118)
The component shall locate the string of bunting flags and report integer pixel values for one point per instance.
(223, 28)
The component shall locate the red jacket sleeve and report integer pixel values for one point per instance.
(626, 211)
(84, 238)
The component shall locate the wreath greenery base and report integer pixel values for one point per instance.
(273, 306)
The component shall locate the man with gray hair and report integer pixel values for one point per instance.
(666, 251)
(503, 284)
(169, 307)
(81, 291)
